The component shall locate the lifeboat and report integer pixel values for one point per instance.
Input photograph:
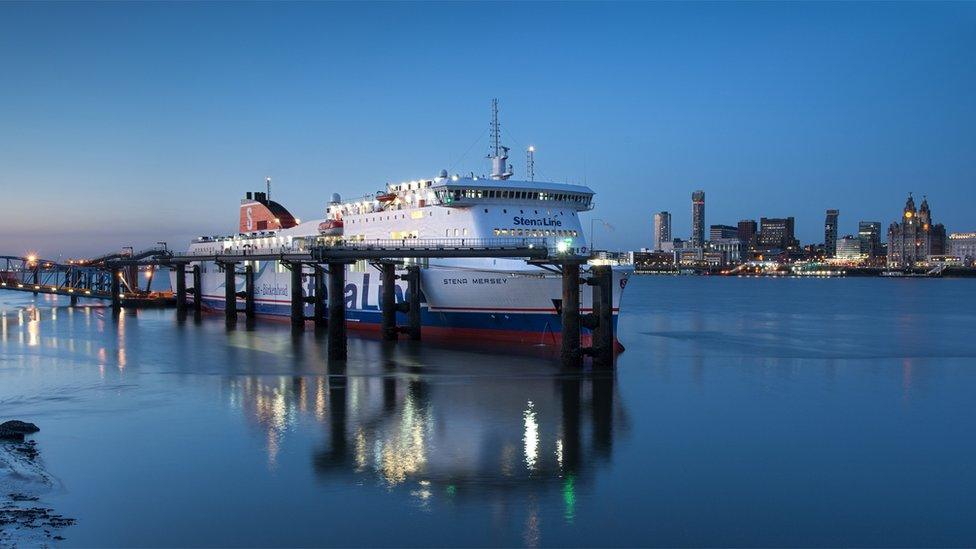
(385, 197)
(331, 227)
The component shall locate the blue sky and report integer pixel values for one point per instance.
(125, 123)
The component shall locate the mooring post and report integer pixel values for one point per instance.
(197, 291)
(388, 304)
(116, 288)
(249, 292)
(319, 307)
(337, 311)
(413, 297)
(602, 281)
(230, 292)
(572, 356)
(181, 290)
(297, 298)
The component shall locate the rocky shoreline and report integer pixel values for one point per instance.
(24, 520)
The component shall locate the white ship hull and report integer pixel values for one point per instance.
(456, 301)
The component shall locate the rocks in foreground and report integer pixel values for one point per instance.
(15, 430)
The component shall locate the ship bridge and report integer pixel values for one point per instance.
(462, 192)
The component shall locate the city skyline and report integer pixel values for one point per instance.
(856, 105)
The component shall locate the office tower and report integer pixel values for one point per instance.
(662, 230)
(777, 233)
(698, 218)
(869, 234)
(722, 232)
(747, 230)
(830, 233)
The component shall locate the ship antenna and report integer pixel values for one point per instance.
(496, 130)
(499, 153)
(530, 162)
(267, 182)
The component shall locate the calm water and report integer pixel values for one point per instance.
(744, 412)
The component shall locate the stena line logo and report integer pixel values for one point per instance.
(250, 219)
(545, 222)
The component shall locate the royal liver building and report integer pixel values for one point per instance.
(915, 238)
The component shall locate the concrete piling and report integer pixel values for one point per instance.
(249, 292)
(181, 290)
(230, 292)
(319, 303)
(197, 292)
(337, 311)
(570, 352)
(297, 298)
(388, 326)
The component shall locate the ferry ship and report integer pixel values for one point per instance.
(491, 299)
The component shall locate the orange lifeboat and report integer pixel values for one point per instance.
(331, 227)
(385, 197)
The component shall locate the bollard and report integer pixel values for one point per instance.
(337, 311)
(388, 304)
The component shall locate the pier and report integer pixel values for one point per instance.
(114, 277)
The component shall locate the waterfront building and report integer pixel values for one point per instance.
(963, 246)
(662, 230)
(721, 232)
(777, 233)
(747, 231)
(869, 234)
(729, 250)
(848, 248)
(915, 238)
(698, 218)
(650, 262)
(830, 233)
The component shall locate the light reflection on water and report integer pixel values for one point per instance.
(739, 417)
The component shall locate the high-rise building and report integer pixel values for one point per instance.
(777, 233)
(869, 234)
(662, 230)
(915, 238)
(698, 218)
(848, 248)
(830, 233)
(722, 232)
(747, 230)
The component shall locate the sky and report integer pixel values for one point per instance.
(131, 123)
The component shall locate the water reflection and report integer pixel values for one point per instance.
(466, 434)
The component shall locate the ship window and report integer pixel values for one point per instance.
(465, 231)
(455, 232)
(486, 210)
(447, 232)
(504, 211)
(495, 232)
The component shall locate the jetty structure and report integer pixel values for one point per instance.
(458, 256)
